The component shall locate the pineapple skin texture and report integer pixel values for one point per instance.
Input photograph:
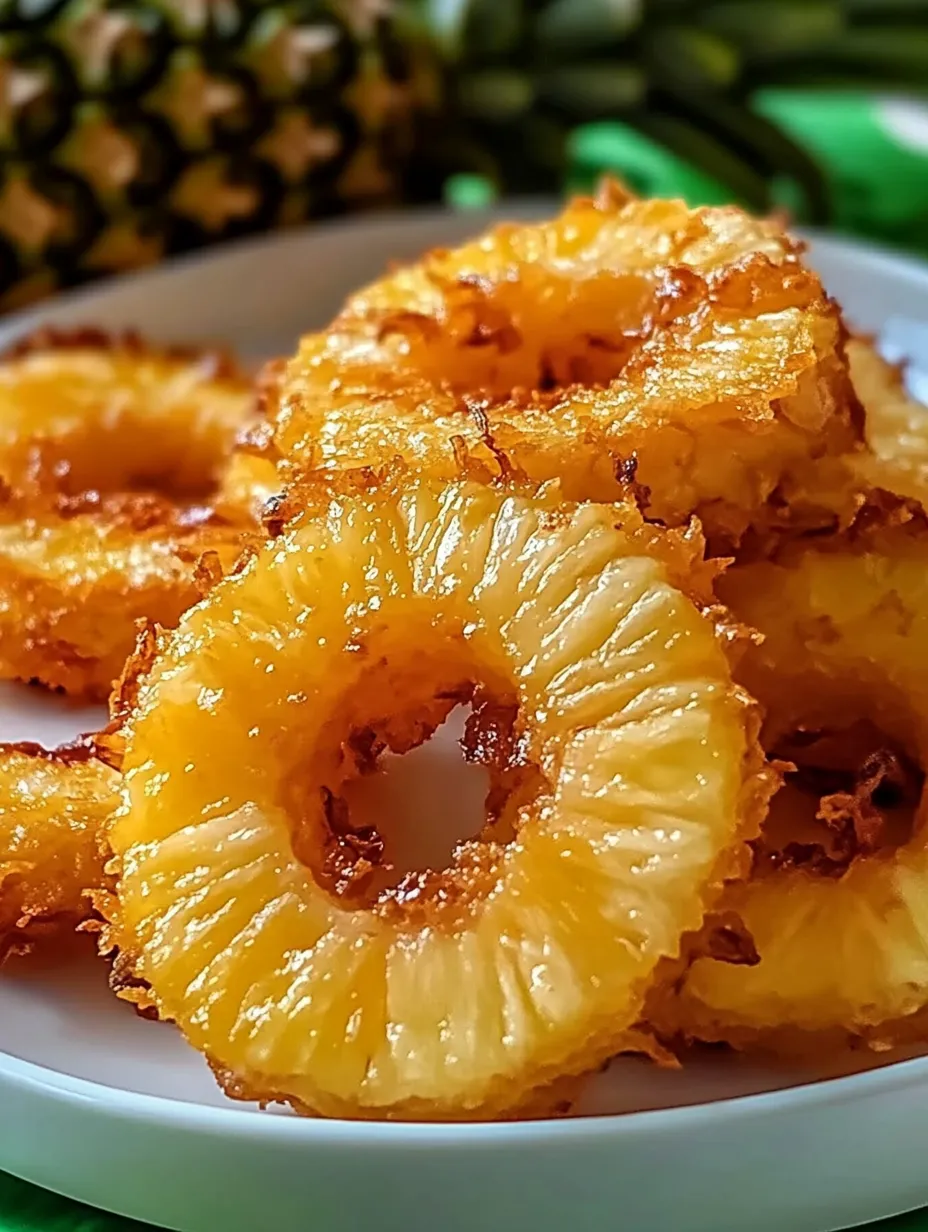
(689, 348)
(463, 993)
(134, 132)
(52, 812)
(85, 422)
(844, 627)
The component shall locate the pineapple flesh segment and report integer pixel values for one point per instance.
(53, 806)
(844, 627)
(692, 344)
(458, 992)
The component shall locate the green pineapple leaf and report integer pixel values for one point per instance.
(571, 28)
(756, 140)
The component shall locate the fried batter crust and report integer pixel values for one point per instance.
(690, 348)
(52, 808)
(836, 904)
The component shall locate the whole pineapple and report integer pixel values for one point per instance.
(131, 129)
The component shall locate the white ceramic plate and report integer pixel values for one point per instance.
(100, 1105)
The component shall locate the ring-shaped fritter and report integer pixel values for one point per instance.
(82, 410)
(690, 349)
(837, 907)
(268, 928)
(53, 806)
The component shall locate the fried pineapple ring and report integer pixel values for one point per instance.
(839, 915)
(690, 348)
(85, 425)
(52, 809)
(896, 426)
(269, 929)
(83, 411)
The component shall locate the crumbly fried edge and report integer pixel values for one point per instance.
(724, 935)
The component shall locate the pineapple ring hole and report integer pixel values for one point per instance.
(487, 348)
(418, 802)
(852, 792)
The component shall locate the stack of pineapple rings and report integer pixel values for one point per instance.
(608, 480)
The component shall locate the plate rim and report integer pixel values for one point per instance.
(164, 1111)
(34, 315)
(247, 1122)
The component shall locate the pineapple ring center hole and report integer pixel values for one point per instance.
(853, 792)
(490, 352)
(422, 795)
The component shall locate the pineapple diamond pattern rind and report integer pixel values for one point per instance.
(131, 131)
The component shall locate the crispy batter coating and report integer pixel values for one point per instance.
(896, 425)
(52, 809)
(76, 577)
(120, 472)
(689, 348)
(625, 777)
(837, 906)
(247, 484)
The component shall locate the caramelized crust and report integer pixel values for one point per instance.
(77, 575)
(119, 472)
(836, 905)
(692, 344)
(896, 425)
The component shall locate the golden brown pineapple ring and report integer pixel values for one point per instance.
(692, 345)
(82, 410)
(110, 457)
(76, 577)
(266, 926)
(839, 914)
(52, 809)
